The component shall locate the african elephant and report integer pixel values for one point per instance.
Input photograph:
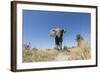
(57, 33)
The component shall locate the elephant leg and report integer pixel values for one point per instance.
(60, 45)
(57, 43)
(57, 47)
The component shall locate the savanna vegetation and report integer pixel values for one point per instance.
(79, 52)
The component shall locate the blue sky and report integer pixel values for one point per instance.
(36, 26)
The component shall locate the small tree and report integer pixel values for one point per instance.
(79, 38)
(27, 46)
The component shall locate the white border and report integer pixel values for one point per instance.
(21, 65)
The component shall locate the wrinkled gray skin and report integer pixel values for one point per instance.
(57, 33)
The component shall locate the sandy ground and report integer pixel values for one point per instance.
(61, 56)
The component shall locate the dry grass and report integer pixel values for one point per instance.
(80, 52)
(54, 55)
(39, 55)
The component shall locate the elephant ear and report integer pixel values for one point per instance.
(52, 33)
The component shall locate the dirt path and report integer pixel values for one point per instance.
(61, 56)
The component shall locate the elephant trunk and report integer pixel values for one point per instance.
(58, 42)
